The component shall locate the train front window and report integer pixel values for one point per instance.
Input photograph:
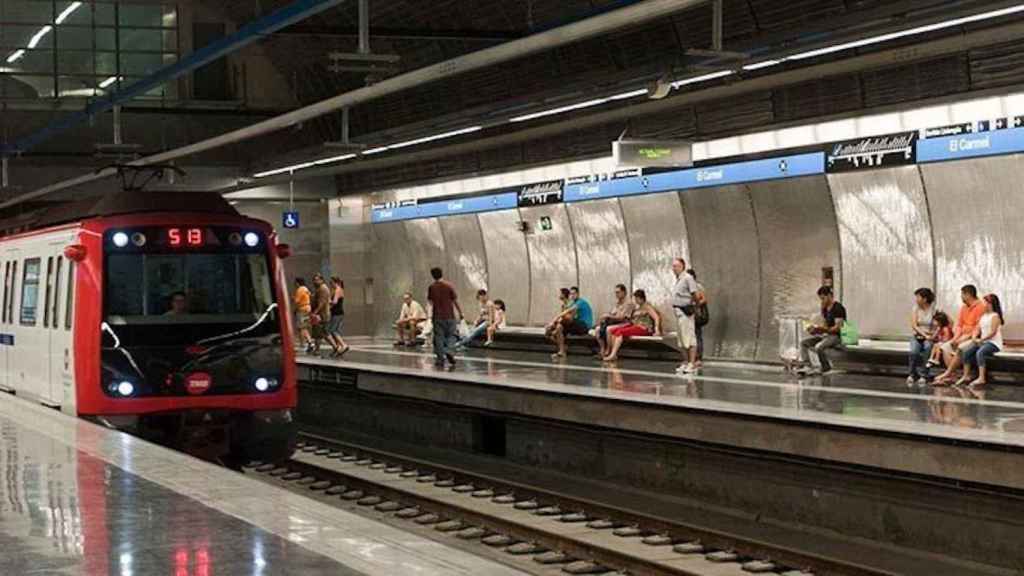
(192, 288)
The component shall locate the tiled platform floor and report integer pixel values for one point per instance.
(78, 499)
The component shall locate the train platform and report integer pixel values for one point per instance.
(864, 420)
(80, 499)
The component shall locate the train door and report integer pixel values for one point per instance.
(7, 327)
(5, 332)
(55, 345)
(65, 335)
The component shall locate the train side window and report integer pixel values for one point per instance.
(69, 302)
(48, 294)
(14, 291)
(30, 292)
(56, 292)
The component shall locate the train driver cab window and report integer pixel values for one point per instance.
(30, 292)
(187, 289)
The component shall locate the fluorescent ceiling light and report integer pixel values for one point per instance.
(39, 36)
(702, 78)
(334, 159)
(909, 32)
(376, 150)
(451, 134)
(15, 56)
(759, 65)
(628, 95)
(108, 81)
(67, 12)
(283, 170)
(553, 111)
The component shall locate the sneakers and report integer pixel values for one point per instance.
(686, 369)
(450, 358)
(809, 371)
(911, 380)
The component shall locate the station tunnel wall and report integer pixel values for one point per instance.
(759, 248)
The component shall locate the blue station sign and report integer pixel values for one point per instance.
(704, 177)
(447, 207)
(969, 145)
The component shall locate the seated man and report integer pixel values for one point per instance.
(963, 335)
(409, 321)
(575, 319)
(620, 313)
(485, 319)
(823, 336)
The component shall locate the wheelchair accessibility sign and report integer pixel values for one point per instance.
(290, 220)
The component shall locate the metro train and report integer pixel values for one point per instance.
(163, 314)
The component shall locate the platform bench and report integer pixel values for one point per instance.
(531, 339)
(890, 355)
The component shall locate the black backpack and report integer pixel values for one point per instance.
(701, 316)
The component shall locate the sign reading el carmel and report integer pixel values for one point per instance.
(991, 143)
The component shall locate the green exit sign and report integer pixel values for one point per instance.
(545, 223)
(653, 153)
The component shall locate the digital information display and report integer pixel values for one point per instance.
(182, 237)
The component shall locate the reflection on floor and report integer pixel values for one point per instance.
(77, 499)
(994, 414)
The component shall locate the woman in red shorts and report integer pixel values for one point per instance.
(645, 321)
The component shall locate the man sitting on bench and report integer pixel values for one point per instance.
(823, 336)
(575, 319)
(409, 320)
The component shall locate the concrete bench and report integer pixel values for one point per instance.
(531, 339)
(890, 356)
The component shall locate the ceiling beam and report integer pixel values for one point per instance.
(404, 33)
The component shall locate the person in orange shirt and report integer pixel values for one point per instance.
(966, 324)
(301, 299)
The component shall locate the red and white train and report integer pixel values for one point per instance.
(163, 314)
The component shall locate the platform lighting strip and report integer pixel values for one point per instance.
(681, 82)
(369, 152)
(890, 36)
(42, 32)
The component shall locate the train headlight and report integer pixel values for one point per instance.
(139, 239)
(263, 384)
(251, 239)
(125, 388)
(120, 239)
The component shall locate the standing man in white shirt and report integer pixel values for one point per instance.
(684, 299)
(409, 320)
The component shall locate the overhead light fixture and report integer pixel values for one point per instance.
(764, 64)
(284, 170)
(563, 109)
(372, 151)
(15, 56)
(426, 139)
(67, 12)
(628, 95)
(109, 81)
(38, 37)
(333, 159)
(702, 78)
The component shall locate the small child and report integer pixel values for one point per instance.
(943, 333)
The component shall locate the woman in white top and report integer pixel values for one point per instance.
(922, 323)
(497, 321)
(988, 339)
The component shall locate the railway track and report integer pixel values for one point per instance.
(555, 529)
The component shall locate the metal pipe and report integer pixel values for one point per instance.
(716, 24)
(604, 23)
(117, 125)
(855, 64)
(345, 130)
(294, 12)
(364, 26)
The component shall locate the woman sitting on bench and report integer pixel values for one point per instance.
(645, 321)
